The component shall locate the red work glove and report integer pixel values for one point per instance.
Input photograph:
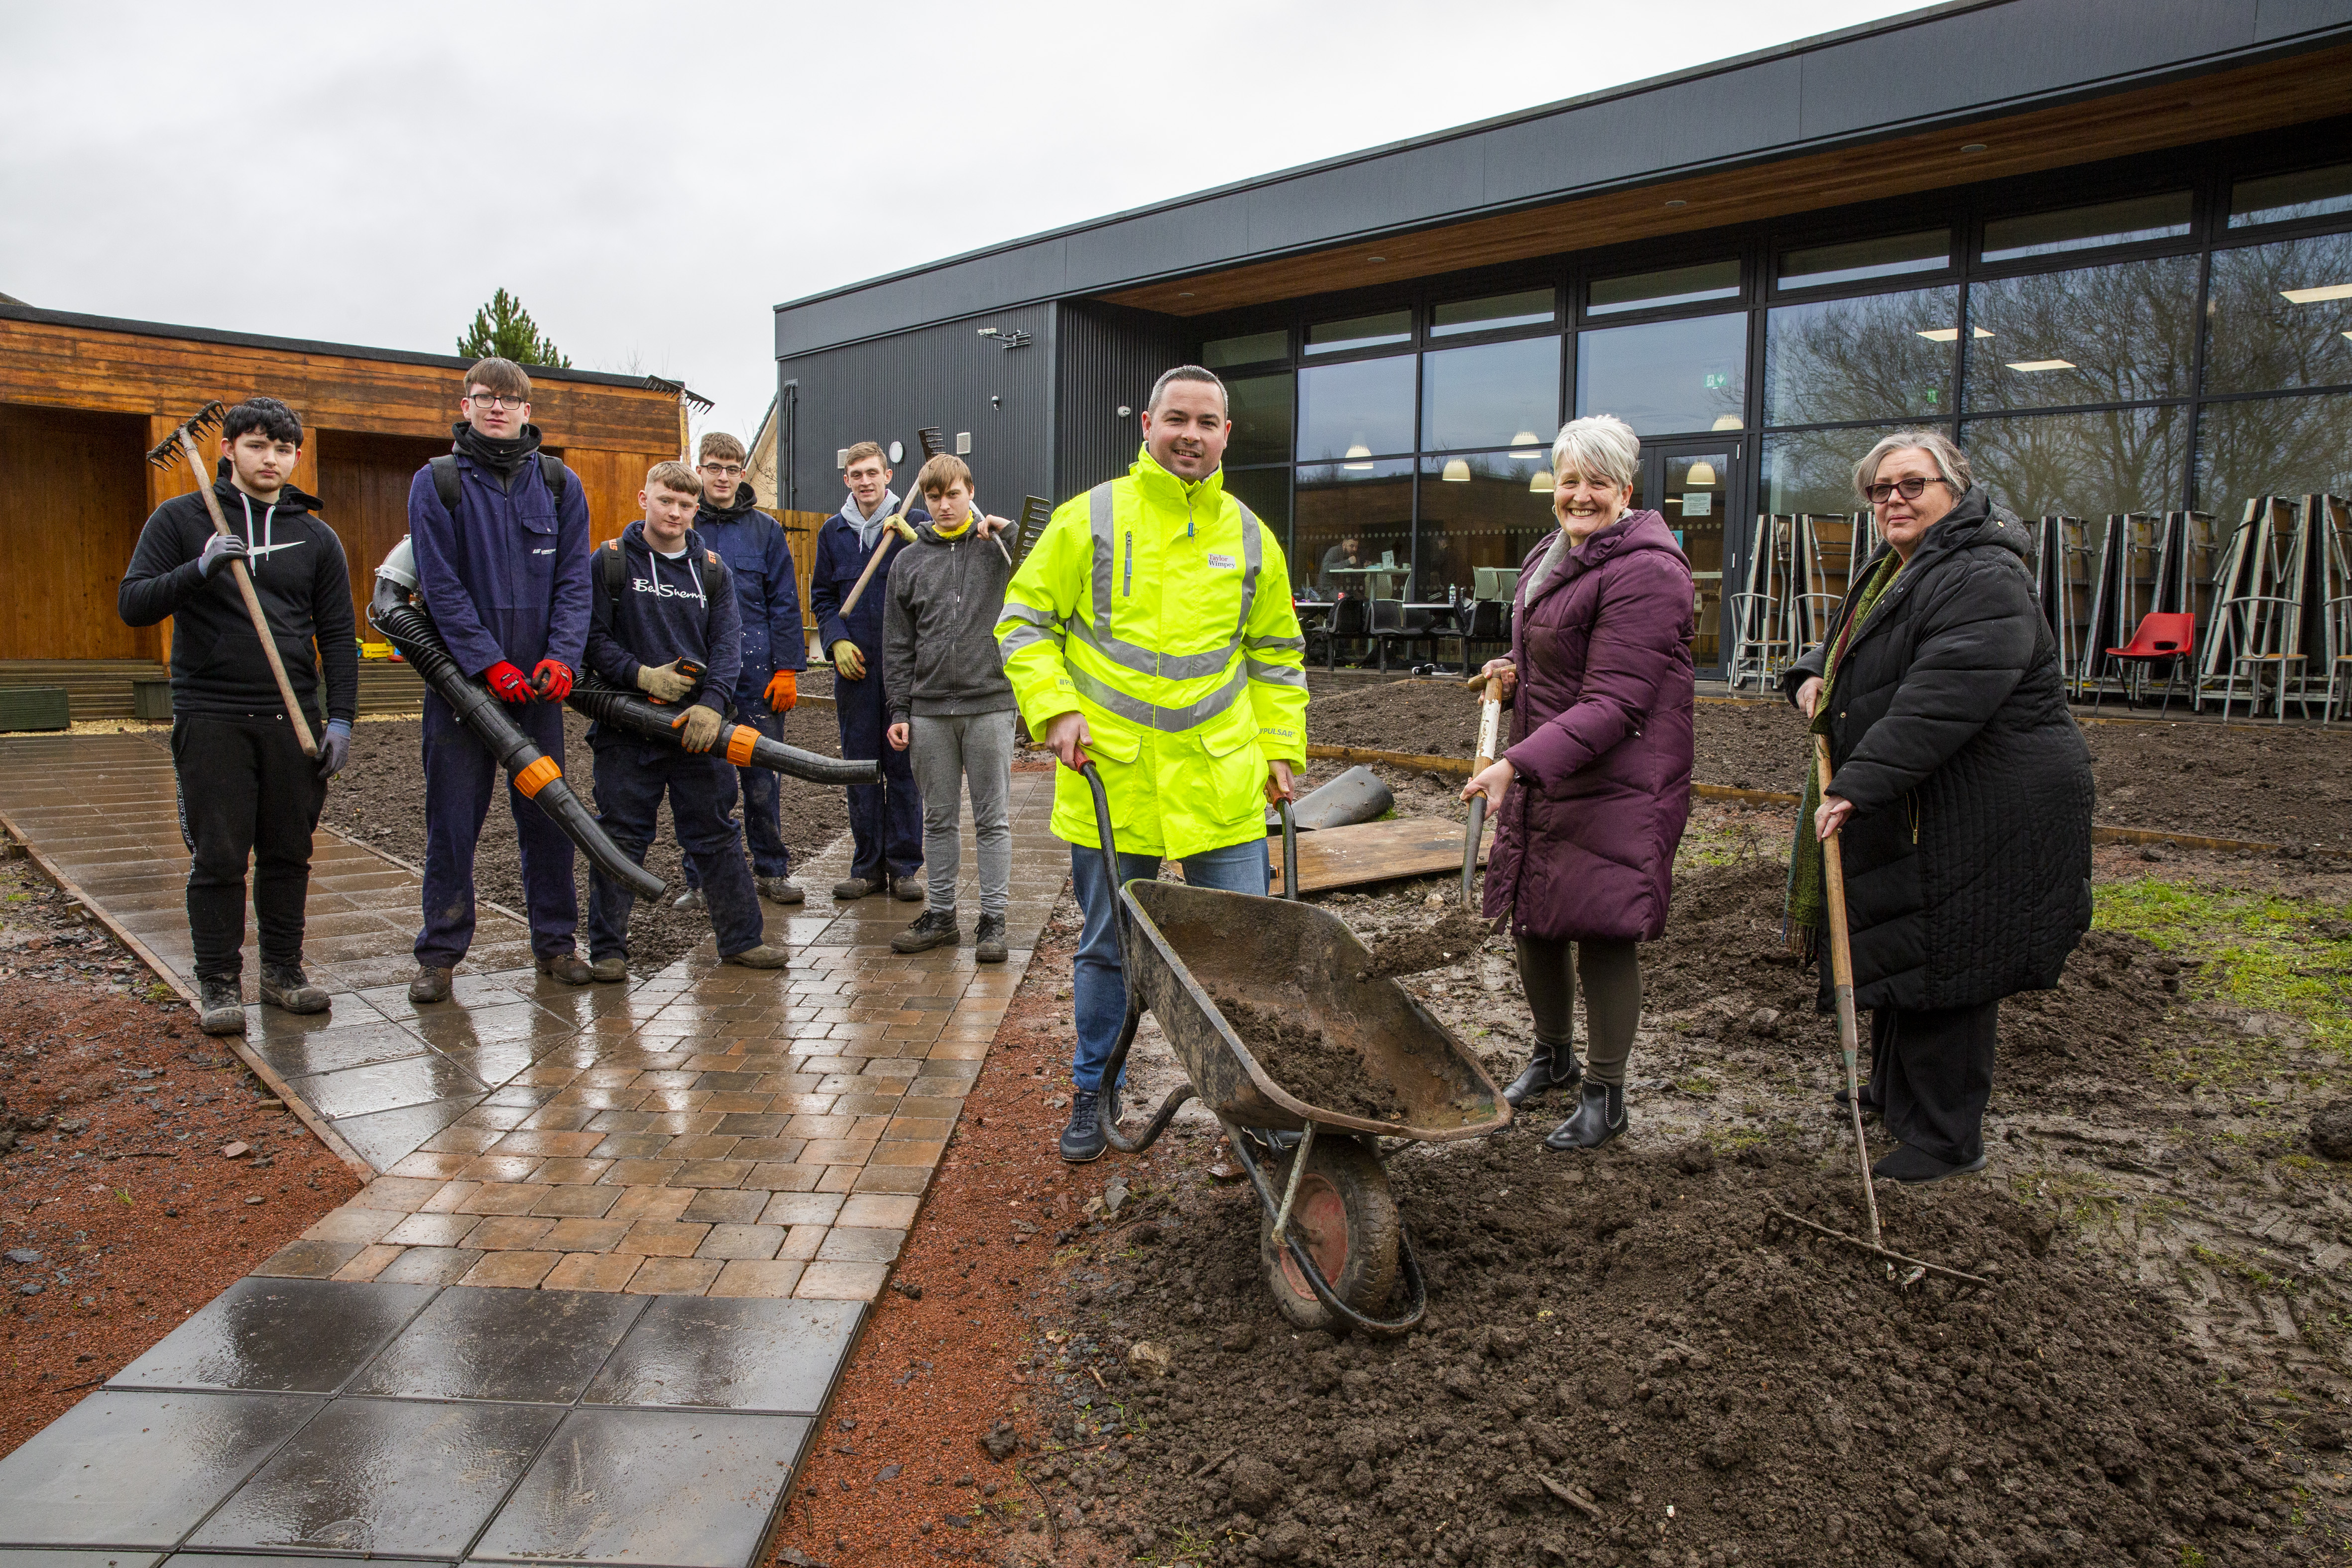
(552, 681)
(507, 681)
(783, 690)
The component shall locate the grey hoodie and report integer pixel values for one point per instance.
(938, 628)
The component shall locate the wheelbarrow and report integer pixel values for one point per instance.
(1334, 1248)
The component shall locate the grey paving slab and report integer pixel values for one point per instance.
(332, 1050)
(384, 1476)
(69, 1559)
(733, 1353)
(387, 1085)
(677, 1489)
(386, 1138)
(68, 1486)
(277, 1336)
(541, 1346)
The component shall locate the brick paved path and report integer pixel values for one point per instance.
(617, 1252)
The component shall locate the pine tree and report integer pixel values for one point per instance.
(504, 329)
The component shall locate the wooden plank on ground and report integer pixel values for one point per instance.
(1376, 852)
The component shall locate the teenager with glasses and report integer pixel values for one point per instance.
(1960, 795)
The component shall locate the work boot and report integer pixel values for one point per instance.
(431, 983)
(568, 967)
(855, 887)
(988, 940)
(1543, 1074)
(285, 987)
(1600, 1116)
(781, 891)
(936, 929)
(1915, 1167)
(1083, 1139)
(692, 899)
(909, 890)
(219, 1009)
(606, 970)
(761, 957)
(1872, 1103)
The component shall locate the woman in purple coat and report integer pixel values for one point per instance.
(1584, 850)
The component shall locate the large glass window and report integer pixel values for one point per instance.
(1479, 509)
(2081, 465)
(2272, 446)
(1251, 348)
(1266, 492)
(1370, 503)
(1355, 410)
(1856, 261)
(1360, 332)
(1259, 407)
(1813, 470)
(1495, 395)
(2280, 316)
(1666, 376)
(1876, 357)
(2080, 229)
(1530, 308)
(2096, 334)
(2281, 198)
(1667, 287)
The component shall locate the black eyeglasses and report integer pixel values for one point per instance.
(1909, 489)
(497, 399)
(723, 470)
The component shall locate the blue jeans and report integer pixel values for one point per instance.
(1098, 985)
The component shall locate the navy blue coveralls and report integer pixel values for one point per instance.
(760, 558)
(507, 578)
(668, 609)
(885, 820)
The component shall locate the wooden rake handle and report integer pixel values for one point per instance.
(1841, 986)
(252, 600)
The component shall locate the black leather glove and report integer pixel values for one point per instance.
(219, 551)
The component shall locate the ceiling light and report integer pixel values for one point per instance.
(1375, 259)
(2314, 296)
(1540, 480)
(1184, 294)
(1678, 202)
(1527, 439)
(2345, 336)
(1951, 334)
(1358, 451)
(2031, 366)
(1701, 473)
(1974, 147)
(1726, 421)
(1457, 472)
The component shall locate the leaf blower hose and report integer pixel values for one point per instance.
(739, 743)
(408, 629)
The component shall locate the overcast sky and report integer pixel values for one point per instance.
(653, 179)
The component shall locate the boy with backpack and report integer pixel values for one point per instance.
(660, 598)
(950, 703)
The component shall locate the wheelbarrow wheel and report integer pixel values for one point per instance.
(1346, 1222)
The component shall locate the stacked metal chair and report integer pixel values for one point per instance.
(2260, 592)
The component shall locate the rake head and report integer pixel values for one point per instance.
(1035, 513)
(197, 427)
(931, 441)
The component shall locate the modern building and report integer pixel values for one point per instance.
(2109, 240)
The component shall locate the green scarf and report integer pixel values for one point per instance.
(1808, 900)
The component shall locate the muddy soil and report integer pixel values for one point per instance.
(1300, 1057)
(120, 1212)
(380, 800)
(1453, 933)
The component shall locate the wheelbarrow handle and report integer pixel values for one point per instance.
(1109, 849)
(1289, 852)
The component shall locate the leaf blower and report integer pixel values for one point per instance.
(399, 614)
(739, 743)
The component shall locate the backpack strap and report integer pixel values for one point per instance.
(612, 570)
(445, 479)
(551, 470)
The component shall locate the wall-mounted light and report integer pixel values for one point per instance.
(1457, 471)
(1124, 411)
(1541, 482)
(1013, 338)
(898, 452)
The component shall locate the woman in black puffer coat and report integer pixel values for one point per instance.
(1961, 797)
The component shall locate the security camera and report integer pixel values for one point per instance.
(995, 401)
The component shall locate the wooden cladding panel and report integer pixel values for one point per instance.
(363, 493)
(130, 372)
(67, 526)
(2257, 98)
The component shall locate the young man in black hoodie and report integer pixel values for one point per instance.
(675, 601)
(246, 788)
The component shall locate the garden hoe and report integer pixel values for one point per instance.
(182, 440)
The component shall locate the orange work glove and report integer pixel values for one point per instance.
(783, 690)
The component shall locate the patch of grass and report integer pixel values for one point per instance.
(2260, 951)
(2252, 1273)
(2083, 1199)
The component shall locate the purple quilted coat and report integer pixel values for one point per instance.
(1586, 845)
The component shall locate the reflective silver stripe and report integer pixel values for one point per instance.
(1016, 610)
(1164, 719)
(1098, 510)
(1168, 666)
(1275, 645)
(1020, 637)
(1134, 656)
(1276, 674)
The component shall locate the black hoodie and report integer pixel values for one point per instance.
(299, 575)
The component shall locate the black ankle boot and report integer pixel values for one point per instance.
(1545, 1071)
(1600, 1116)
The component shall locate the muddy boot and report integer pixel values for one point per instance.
(850, 888)
(760, 957)
(605, 971)
(569, 967)
(937, 928)
(285, 987)
(219, 1010)
(909, 890)
(1545, 1072)
(430, 984)
(1083, 1139)
(1600, 1116)
(988, 941)
(690, 901)
(781, 891)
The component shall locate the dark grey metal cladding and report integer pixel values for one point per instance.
(1106, 359)
(886, 389)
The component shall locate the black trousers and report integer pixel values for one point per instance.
(1933, 1070)
(245, 791)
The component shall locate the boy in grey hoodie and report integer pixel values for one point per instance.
(944, 683)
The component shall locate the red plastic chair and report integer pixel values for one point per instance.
(2171, 635)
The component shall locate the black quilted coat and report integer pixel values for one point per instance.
(1967, 858)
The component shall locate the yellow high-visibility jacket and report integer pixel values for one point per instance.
(1161, 611)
